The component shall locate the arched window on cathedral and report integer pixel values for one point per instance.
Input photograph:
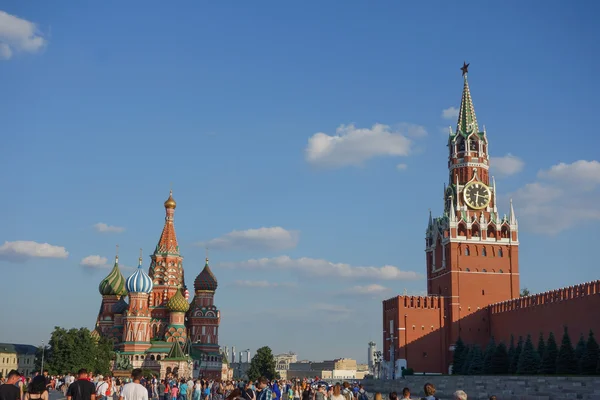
(152, 357)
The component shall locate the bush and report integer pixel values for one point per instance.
(458, 358)
(476, 362)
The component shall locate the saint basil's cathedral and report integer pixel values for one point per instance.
(157, 328)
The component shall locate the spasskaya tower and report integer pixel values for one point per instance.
(471, 250)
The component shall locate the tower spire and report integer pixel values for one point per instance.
(467, 121)
(512, 218)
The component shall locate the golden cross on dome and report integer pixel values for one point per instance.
(465, 68)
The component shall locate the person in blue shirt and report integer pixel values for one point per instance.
(277, 391)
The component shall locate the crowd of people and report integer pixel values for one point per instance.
(137, 387)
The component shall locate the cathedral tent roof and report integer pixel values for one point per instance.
(176, 353)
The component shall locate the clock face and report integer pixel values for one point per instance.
(477, 195)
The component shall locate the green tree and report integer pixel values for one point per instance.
(514, 362)
(488, 356)
(525, 292)
(511, 351)
(104, 355)
(458, 358)
(579, 351)
(500, 361)
(262, 364)
(566, 363)
(591, 357)
(529, 360)
(541, 347)
(476, 362)
(467, 360)
(548, 364)
(70, 350)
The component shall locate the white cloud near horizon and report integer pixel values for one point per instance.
(372, 289)
(94, 261)
(352, 146)
(506, 166)
(563, 197)
(22, 250)
(265, 238)
(450, 113)
(105, 228)
(323, 268)
(18, 35)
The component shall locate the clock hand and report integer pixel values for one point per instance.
(477, 198)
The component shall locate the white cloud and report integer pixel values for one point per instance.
(401, 167)
(450, 113)
(104, 228)
(18, 35)
(372, 289)
(580, 173)
(507, 165)
(21, 250)
(322, 268)
(563, 197)
(354, 146)
(262, 284)
(94, 261)
(265, 238)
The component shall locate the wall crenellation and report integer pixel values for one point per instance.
(552, 296)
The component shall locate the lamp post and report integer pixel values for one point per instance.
(42, 367)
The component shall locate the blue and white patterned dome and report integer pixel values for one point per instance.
(139, 281)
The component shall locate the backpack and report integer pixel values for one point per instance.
(363, 395)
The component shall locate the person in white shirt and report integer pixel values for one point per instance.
(134, 390)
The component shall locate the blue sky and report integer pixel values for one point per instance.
(106, 103)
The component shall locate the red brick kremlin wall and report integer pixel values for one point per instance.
(422, 333)
(577, 307)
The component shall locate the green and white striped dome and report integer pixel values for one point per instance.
(114, 283)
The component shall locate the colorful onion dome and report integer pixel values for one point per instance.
(114, 283)
(206, 279)
(139, 281)
(170, 203)
(120, 306)
(177, 303)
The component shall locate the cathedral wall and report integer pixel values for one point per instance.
(575, 306)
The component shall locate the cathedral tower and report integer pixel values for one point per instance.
(112, 289)
(471, 250)
(203, 316)
(136, 332)
(166, 270)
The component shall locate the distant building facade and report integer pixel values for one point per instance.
(473, 271)
(20, 357)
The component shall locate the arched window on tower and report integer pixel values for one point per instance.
(467, 252)
(462, 229)
(505, 232)
(484, 252)
(473, 146)
(500, 254)
(475, 230)
(491, 232)
(461, 144)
